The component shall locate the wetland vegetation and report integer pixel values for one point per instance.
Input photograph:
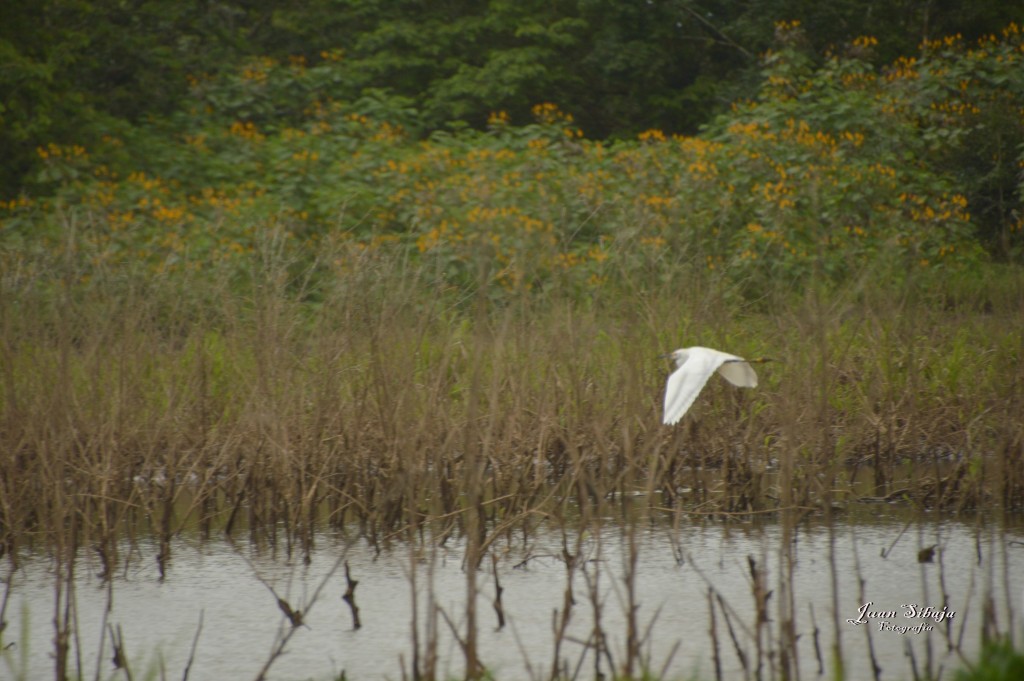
(285, 319)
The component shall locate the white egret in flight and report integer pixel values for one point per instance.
(694, 367)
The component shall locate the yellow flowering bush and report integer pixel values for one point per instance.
(832, 171)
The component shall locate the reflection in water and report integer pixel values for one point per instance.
(241, 618)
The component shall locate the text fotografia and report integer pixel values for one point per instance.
(910, 611)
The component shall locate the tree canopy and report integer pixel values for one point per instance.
(74, 70)
(558, 142)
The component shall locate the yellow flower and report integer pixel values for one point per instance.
(652, 136)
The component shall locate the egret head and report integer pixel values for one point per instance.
(679, 356)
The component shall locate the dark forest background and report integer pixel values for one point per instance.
(72, 69)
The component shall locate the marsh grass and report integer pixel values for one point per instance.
(284, 399)
(358, 393)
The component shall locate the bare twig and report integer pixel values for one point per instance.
(192, 650)
(350, 597)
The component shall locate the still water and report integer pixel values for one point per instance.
(231, 590)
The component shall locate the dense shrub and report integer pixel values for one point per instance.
(833, 172)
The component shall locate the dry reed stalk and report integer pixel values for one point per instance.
(789, 661)
(561, 618)
(713, 632)
(876, 669)
(192, 402)
(293, 615)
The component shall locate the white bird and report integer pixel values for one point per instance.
(694, 367)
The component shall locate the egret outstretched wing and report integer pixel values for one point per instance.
(739, 373)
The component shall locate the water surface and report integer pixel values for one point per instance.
(229, 587)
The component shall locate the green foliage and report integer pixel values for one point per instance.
(939, 125)
(834, 173)
(75, 71)
(999, 662)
